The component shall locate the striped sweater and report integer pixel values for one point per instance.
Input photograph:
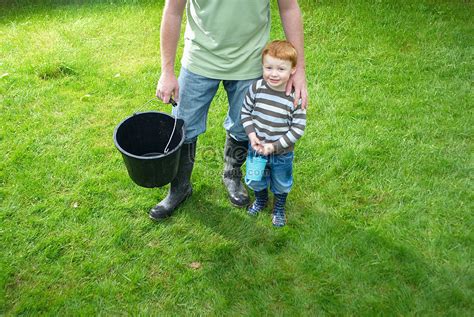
(273, 117)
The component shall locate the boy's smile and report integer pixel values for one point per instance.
(277, 72)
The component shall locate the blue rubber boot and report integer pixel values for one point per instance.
(261, 199)
(279, 218)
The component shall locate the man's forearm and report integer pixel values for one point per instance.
(170, 32)
(290, 15)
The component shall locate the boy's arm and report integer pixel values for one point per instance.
(246, 117)
(247, 108)
(298, 124)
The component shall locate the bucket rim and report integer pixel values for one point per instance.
(147, 157)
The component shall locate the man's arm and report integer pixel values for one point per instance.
(169, 33)
(290, 15)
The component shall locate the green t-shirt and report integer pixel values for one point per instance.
(224, 38)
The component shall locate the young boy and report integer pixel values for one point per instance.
(273, 125)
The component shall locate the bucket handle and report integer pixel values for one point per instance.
(174, 104)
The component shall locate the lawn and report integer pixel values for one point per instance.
(380, 220)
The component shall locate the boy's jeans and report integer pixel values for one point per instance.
(278, 173)
(195, 95)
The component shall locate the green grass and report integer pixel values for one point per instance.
(380, 218)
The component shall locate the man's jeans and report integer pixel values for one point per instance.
(195, 95)
(278, 173)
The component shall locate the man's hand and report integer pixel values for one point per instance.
(298, 82)
(255, 142)
(167, 87)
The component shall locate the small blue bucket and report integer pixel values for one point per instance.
(255, 168)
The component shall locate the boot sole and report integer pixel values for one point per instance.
(238, 205)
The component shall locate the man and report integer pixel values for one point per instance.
(223, 43)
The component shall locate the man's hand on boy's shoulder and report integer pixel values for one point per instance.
(297, 82)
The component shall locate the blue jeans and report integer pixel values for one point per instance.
(195, 95)
(278, 173)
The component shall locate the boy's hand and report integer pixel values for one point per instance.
(267, 149)
(255, 142)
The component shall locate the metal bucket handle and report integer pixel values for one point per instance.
(174, 104)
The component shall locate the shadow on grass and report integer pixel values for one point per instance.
(327, 265)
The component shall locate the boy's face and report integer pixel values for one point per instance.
(276, 72)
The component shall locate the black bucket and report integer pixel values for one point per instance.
(150, 156)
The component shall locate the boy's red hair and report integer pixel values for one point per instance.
(282, 50)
